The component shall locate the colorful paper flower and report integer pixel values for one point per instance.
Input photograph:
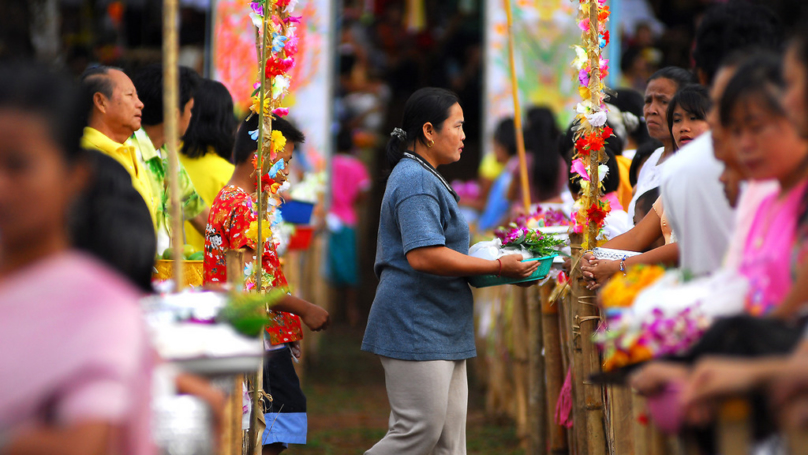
(277, 167)
(291, 46)
(281, 111)
(583, 77)
(278, 142)
(254, 135)
(278, 42)
(596, 213)
(257, 8)
(279, 85)
(579, 168)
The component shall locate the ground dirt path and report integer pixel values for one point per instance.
(348, 409)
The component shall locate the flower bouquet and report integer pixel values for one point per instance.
(653, 313)
(531, 243)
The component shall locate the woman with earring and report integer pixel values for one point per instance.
(421, 322)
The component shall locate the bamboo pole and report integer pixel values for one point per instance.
(734, 429)
(576, 346)
(519, 340)
(593, 398)
(231, 442)
(640, 424)
(585, 305)
(620, 412)
(517, 113)
(594, 89)
(537, 400)
(258, 378)
(554, 371)
(171, 101)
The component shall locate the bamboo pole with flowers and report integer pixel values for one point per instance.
(590, 137)
(276, 45)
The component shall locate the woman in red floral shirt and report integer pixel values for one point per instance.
(229, 227)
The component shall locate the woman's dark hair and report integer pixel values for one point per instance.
(730, 27)
(630, 102)
(149, 85)
(799, 44)
(213, 124)
(693, 99)
(54, 97)
(426, 105)
(245, 145)
(345, 141)
(643, 153)
(645, 203)
(505, 135)
(110, 221)
(760, 77)
(680, 76)
(541, 136)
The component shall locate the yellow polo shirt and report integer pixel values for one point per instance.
(124, 154)
(209, 174)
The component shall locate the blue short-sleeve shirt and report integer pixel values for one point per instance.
(416, 315)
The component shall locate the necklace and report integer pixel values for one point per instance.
(434, 172)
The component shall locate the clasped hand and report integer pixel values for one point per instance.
(596, 271)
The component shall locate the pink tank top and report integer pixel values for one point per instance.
(767, 258)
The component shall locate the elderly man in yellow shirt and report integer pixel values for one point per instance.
(114, 117)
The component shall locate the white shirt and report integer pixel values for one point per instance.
(696, 207)
(647, 179)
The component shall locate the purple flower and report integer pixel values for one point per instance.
(258, 8)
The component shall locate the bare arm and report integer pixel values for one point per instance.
(598, 271)
(443, 261)
(200, 222)
(795, 300)
(641, 236)
(315, 317)
(89, 438)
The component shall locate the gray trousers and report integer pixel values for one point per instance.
(428, 402)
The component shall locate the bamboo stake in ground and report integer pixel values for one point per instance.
(537, 403)
(231, 442)
(554, 371)
(517, 113)
(171, 101)
(576, 348)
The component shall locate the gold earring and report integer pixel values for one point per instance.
(431, 143)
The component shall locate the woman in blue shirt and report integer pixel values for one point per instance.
(421, 321)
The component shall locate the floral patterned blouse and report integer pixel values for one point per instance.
(230, 216)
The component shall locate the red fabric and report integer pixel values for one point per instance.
(230, 216)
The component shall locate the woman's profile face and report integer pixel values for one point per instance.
(658, 95)
(686, 127)
(766, 143)
(449, 139)
(794, 96)
(36, 184)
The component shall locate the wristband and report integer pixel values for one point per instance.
(499, 274)
(623, 265)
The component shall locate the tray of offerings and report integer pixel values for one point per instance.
(484, 281)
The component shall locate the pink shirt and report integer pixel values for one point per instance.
(752, 196)
(769, 252)
(74, 349)
(349, 178)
